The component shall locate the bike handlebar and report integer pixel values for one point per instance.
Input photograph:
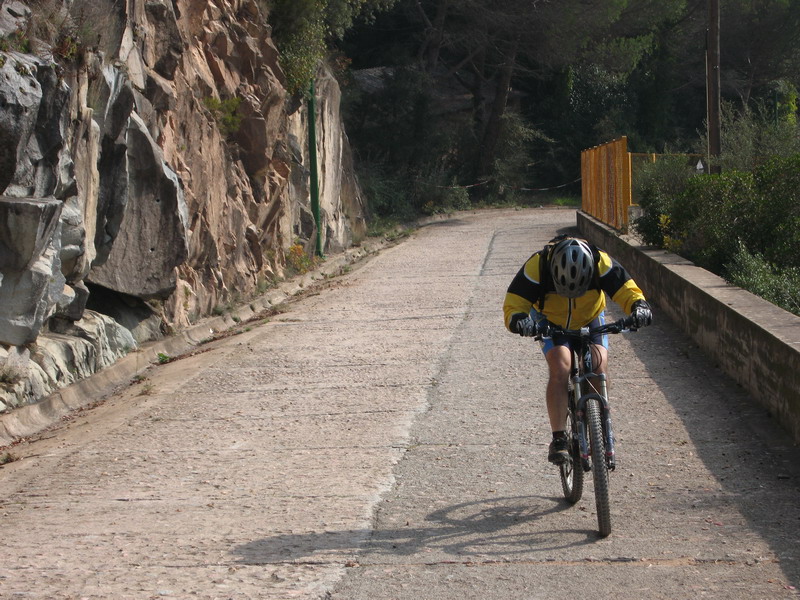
(618, 326)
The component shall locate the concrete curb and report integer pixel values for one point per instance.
(753, 341)
(31, 419)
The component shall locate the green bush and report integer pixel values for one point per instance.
(711, 213)
(656, 186)
(440, 199)
(303, 29)
(298, 261)
(387, 195)
(742, 225)
(779, 285)
(300, 56)
(776, 226)
(226, 113)
(299, 31)
(17, 41)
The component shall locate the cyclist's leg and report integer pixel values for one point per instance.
(599, 346)
(599, 358)
(559, 359)
(599, 349)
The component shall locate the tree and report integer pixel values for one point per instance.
(574, 73)
(760, 44)
(489, 45)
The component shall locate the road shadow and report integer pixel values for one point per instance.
(445, 222)
(492, 527)
(748, 453)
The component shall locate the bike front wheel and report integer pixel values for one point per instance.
(572, 471)
(599, 466)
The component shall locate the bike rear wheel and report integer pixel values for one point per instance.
(599, 466)
(572, 471)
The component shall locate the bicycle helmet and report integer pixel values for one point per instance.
(572, 267)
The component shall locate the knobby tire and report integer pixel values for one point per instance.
(572, 472)
(599, 467)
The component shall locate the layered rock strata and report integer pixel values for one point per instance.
(151, 174)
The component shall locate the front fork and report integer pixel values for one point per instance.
(579, 402)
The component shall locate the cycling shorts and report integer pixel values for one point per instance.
(598, 339)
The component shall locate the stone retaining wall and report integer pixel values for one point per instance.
(753, 341)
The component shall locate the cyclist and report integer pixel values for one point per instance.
(564, 284)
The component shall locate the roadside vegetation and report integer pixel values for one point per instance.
(742, 224)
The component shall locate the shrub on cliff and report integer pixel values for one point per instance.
(64, 30)
(299, 31)
(303, 30)
(225, 113)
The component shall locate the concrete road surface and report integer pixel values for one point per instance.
(386, 438)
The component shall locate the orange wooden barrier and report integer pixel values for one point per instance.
(606, 183)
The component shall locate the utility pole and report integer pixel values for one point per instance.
(713, 84)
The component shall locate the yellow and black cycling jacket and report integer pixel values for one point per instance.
(610, 277)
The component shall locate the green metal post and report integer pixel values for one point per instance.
(312, 159)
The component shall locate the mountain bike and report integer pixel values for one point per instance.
(591, 437)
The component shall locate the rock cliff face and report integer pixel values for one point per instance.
(149, 178)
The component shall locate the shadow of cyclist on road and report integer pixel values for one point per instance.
(484, 528)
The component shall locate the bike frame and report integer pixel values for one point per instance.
(592, 438)
(582, 376)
